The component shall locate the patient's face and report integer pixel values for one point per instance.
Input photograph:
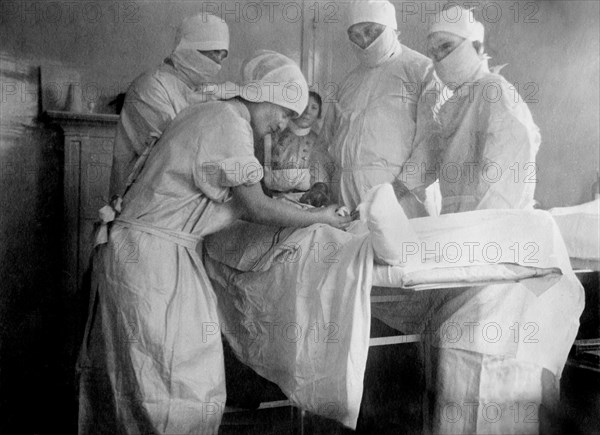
(363, 34)
(441, 44)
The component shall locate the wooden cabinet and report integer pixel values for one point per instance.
(88, 147)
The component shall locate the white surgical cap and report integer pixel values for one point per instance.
(374, 11)
(272, 77)
(203, 32)
(458, 21)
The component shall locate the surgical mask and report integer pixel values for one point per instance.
(460, 65)
(380, 50)
(195, 66)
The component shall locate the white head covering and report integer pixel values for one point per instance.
(478, 33)
(203, 32)
(271, 77)
(459, 66)
(458, 21)
(374, 11)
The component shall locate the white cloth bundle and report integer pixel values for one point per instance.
(389, 227)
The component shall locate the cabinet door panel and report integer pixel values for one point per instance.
(96, 160)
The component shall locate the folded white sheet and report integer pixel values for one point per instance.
(394, 277)
(580, 228)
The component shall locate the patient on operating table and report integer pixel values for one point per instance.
(293, 165)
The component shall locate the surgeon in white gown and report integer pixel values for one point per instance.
(480, 142)
(369, 130)
(152, 360)
(156, 97)
(475, 134)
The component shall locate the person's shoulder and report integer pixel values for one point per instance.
(490, 77)
(411, 64)
(150, 85)
(501, 99)
(494, 88)
(414, 58)
(214, 122)
(414, 55)
(231, 110)
(231, 116)
(146, 80)
(222, 112)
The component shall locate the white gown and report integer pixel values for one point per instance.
(152, 361)
(369, 130)
(153, 100)
(482, 147)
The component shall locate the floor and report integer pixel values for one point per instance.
(392, 400)
(580, 400)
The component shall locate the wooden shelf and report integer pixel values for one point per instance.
(63, 117)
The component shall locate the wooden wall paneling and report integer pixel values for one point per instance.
(88, 147)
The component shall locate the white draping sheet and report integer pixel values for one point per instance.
(304, 323)
(580, 228)
(319, 279)
(476, 248)
(452, 277)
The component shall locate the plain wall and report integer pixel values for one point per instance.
(33, 375)
(111, 43)
(556, 64)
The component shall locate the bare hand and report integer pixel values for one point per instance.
(329, 216)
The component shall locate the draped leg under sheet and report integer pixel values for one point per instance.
(304, 323)
(153, 358)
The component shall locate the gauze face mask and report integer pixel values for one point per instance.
(456, 68)
(379, 50)
(195, 66)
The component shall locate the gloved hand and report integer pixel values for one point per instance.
(317, 195)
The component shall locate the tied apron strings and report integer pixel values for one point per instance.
(109, 212)
(180, 238)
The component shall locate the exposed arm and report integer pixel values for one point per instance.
(264, 210)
